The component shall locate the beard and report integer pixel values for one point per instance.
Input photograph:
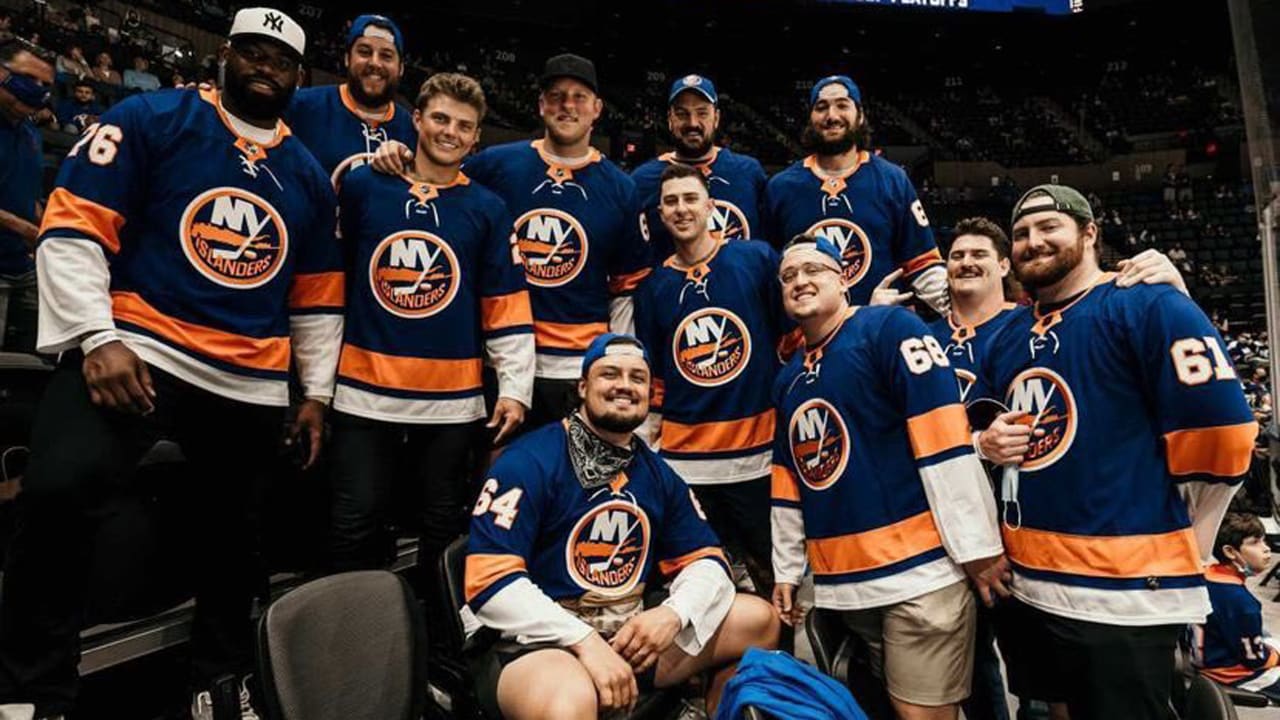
(814, 142)
(694, 149)
(614, 421)
(255, 105)
(1059, 265)
(356, 87)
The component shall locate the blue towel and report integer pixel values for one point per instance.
(784, 687)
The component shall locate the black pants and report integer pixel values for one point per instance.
(553, 400)
(80, 456)
(1102, 672)
(739, 515)
(367, 457)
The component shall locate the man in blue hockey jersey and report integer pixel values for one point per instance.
(862, 203)
(1124, 436)
(342, 125)
(576, 222)
(573, 522)
(736, 181)
(187, 255)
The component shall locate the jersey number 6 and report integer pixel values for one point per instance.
(922, 354)
(503, 507)
(103, 141)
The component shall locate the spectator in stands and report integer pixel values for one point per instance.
(1177, 254)
(103, 72)
(80, 110)
(177, 81)
(140, 77)
(26, 75)
(1183, 181)
(1169, 186)
(6, 25)
(74, 64)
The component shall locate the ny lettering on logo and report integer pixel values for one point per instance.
(273, 21)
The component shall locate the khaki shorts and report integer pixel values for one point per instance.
(922, 647)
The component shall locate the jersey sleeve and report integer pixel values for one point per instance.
(914, 248)
(786, 515)
(770, 214)
(920, 375)
(316, 297)
(1207, 426)
(651, 336)
(629, 263)
(481, 167)
(686, 536)
(505, 313)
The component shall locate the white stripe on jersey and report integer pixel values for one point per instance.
(255, 391)
(1114, 607)
(723, 471)
(365, 404)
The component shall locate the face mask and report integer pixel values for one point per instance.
(25, 89)
(1244, 569)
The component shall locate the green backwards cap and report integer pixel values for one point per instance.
(1052, 197)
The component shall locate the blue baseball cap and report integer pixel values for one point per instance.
(844, 80)
(817, 244)
(361, 25)
(695, 83)
(612, 344)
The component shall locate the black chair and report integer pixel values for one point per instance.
(841, 654)
(453, 674)
(345, 647)
(1206, 701)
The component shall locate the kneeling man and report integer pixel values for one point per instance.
(572, 521)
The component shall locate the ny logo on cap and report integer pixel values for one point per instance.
(273, 21)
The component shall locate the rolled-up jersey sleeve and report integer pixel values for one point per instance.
(504, 530)
(317, 295)
(99, 188)
(954, 482)
(506, 316)
(629, 262)
(786, 515)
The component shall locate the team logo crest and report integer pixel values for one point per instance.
(1050, 406)
(711, 347)
(607, 550)
(965, 380)
(819, 443)
(729, 221)
(414, 274)
(855, 247)
(346, 166)
(234, 238)
(553, 246)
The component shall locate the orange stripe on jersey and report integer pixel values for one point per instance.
(788, 344)
(657, 393)
(921, 261)
(504, 311)
(257, 353)
(317, 290)
(621, 284)
(783, 484)
(1225, 451)
(671, 567)
(939, 430)
(68, 211)
(567, 336)
(1108, 556)
(485, 570)
(874, 548)
(749, 432)
(409, 373)
(1236, 673)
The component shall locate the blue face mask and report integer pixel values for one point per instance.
(26, 89)
(1245, 570)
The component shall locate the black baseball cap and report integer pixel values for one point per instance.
(570, 66)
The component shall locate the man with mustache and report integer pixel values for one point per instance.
(864, 204)
(342, 125)
(186, 256)
(576, 227)
(573, 522)
(436, 292)
(1124, 436)
(876, 486)
(736, 181)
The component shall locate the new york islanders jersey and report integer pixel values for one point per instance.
(579, 238)
(965, 344)
(870, 212)
(1143, 417)
(874, 478)
(1231, 647)
(433, 279)
(214, 240)
(737, 189)
(712, 333)
(536, 533)
(342, 138)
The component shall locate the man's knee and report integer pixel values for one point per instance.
(755, 621)
(574, 700)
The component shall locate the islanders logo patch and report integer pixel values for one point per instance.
(607, 550)
(729, 221)
(711, 347)
(553, 246)
(414, 274)
(819, 443)
(234, 238)
(1050, 406)
(855, 247)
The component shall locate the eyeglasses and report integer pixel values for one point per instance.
(809, 269)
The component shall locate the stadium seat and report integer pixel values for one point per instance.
(1207, 701)
(842, 655)
(345, 647)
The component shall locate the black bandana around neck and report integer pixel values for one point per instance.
(596, 461)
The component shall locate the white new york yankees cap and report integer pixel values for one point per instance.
(270, 23)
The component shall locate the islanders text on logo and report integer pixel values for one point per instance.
(855, 247)
(711, 347)
(608, 547)
(233, 237)
(553, 245)
(1050, 406)
(819, 443)
(414, 274)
